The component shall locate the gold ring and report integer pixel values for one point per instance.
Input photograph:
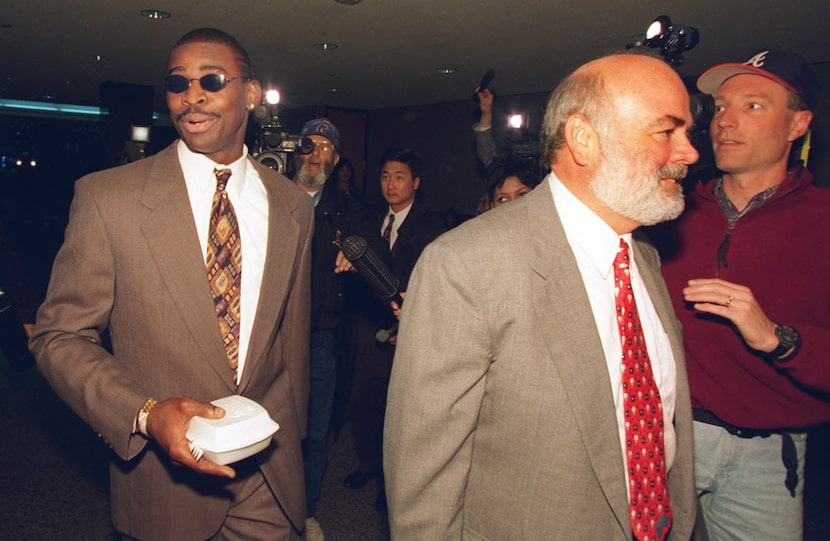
(728, 301)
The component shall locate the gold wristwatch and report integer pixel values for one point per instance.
(142, 416)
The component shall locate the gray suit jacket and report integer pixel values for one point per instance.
(131, 262)
(500, 422)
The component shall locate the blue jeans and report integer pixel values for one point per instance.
(323, 369)
(740, 482)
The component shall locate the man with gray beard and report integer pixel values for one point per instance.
(314, 168)
(337, 215)
(539, 386)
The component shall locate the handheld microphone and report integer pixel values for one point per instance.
(485, 82)
(371, 268)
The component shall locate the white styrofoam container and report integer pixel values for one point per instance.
(245, 429)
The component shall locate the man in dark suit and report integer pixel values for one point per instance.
(408, 227)
(406, 223)
(526, 399)
(133, 262)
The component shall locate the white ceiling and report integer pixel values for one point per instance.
(388, 49)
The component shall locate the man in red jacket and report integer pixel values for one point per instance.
(746, 268)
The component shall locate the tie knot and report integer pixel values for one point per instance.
(621, 261)
(391, 217)
(222, 176)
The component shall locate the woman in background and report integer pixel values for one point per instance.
(508, 180)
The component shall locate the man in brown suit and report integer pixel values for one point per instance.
(133, 263)
(508, 414)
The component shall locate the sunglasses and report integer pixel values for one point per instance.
(212, 82)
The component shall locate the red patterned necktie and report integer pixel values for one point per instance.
(387, 233)
(224, 267)
(649, 507)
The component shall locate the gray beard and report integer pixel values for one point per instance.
(312, 181)
(641, 198)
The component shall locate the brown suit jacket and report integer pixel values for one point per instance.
(131, 262)
(500, 422)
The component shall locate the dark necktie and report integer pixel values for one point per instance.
(649, 507)
(387, 233)
(224, 267)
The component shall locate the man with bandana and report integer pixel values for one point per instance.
(337, 215)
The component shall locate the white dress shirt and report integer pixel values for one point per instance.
(250, 203)
(595, 247)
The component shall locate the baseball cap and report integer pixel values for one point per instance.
(322, 127)
(790, 70)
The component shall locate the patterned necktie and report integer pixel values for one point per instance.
(387, 233)
(224, 266)
(649, 507)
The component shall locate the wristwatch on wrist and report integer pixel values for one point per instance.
(788, 339)
(141, 421)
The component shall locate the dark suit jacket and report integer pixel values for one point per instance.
(336, 217)
(500, 422)
(132, 262)
(420, 227)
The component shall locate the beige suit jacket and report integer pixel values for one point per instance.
(131, 262)
(500, 421)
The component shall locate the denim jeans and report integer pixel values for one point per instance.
(740, 482)
(323, 369)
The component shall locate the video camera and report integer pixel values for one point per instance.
(273, 145)
(672, 41)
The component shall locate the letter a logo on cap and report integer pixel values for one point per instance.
(757, 60)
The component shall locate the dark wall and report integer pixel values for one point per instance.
(441, 134)
(35, 195)
(819, 162)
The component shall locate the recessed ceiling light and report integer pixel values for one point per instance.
(446, 71)
(155, 14)
(98, 58)
(325, 46)
(348, 2)
(334, 88)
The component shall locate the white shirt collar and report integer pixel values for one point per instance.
(198, 166)
(401, 215)
(585, 230)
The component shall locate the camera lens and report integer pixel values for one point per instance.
(703, 110)
(272, 160)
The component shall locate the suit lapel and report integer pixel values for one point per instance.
(283, 230)
(653, 280)
(173, 242)
(569, 331)
(406, 226)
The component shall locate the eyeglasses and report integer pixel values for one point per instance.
(212, 82)
(324, 148)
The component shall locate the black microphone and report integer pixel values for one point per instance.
(485, 82)
(371, 268)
